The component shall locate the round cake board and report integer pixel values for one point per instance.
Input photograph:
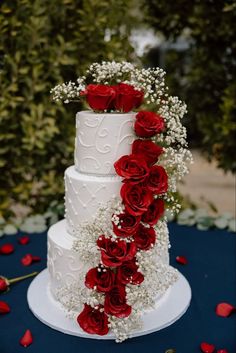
(168, 309)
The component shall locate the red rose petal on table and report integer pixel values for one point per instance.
(7, 249)
(181, 260)
(207, 347)
(4, 308)
(222, 351)
(225, 309)
(24, 240)
(27, 260)
(27, 339)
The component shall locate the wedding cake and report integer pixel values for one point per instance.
(108, 260)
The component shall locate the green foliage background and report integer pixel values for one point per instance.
(43, 43)
(204, 75)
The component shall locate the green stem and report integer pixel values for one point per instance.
(17, 279)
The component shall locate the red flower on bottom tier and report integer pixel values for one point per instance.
(101, 279)
(93, 320)
(127, 226)
(128, 273)
(145, 237)
(115, 302)
(154, 213)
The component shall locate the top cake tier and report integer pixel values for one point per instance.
(101, 139)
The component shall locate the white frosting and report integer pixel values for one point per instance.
(64, 264)
(101, 139)
(85, 193)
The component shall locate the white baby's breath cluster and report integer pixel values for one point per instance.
(153, 264)
(68, 92)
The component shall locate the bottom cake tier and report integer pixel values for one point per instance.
(68, 266)
(167, 310)
(64, 264)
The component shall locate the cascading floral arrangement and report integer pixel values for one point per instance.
(123, 275)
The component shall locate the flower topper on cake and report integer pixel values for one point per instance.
(124, 278)
(113, 87)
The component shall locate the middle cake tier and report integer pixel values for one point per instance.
(85, 193)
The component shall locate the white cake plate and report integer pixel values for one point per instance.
(168, 309)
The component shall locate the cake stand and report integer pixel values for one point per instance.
(172, 305)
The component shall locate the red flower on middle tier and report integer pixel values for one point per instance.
(132, 167)
(115, 252)
(127, 226)
(157, 180)
(136, 198)
(150, 150)
(101, 279)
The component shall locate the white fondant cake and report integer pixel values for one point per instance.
(101, 139)
(84, 193)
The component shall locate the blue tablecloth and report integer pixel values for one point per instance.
(211, 272)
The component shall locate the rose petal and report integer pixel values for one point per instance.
(7, 249)
(36, 258)
(225, 309)
(207, 347)
(27, 260)
(181, 260)
(222, 351)
(24, 240)
(27, 339)
(4, 308)
(3, 284)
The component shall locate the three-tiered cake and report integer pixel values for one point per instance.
(108, 260)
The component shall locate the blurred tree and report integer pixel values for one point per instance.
(204, 74)
(43, 43)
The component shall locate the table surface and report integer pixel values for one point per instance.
(211, 272)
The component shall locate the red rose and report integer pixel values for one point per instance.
(4, 307)
(3, 284)
(136, 198)
(154, 213)
(127, 97)
(148, 124)
(7, 249)
(128, 273)
(132, 167)
(115, 302)
(145, 238)
(157, 181)
(115, 252)
(99, 97)
(93, 321)
(101, 279)
(127, 226)
(150, 150)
